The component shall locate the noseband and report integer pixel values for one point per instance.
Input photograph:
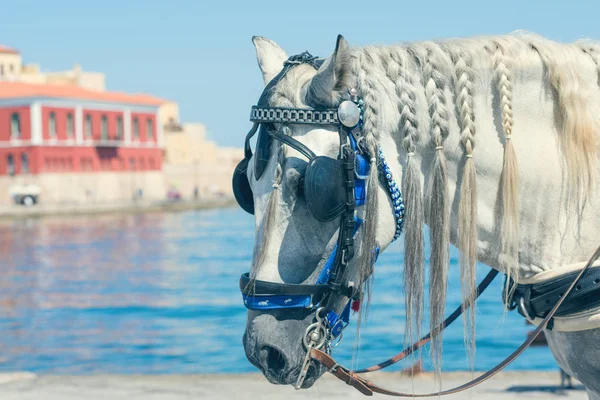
(332, 188)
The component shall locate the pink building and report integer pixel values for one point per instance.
(61, 129)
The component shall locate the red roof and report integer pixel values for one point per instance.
(6, 49)
(17, 90)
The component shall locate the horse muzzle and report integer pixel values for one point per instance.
(275, 347)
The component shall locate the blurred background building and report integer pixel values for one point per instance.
(65, 139)
(193, 164)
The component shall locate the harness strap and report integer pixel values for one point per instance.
(249, 135)
(250, 286)
(290, 141)
(343, 374)
(367, 387)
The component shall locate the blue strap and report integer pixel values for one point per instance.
(361, 170)
(326, 271)
(337, 322)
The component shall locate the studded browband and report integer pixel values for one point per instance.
(293, 115)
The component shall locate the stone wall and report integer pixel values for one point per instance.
(81, 188)
(192, 161)
(211, 180)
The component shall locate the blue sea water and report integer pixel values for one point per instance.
(158, 293)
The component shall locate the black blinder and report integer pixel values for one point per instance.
(241, 187)
(324, 188)
(323, 183)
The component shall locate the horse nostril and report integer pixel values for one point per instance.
(272, 358)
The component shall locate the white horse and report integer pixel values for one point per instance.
(495, 141)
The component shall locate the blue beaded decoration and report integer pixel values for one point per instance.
(395, 194)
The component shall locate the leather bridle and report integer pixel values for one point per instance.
(346, 174)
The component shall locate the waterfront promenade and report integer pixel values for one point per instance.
(39, 210)
(506, 386)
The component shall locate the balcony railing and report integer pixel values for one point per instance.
(121, 142)
(108, 142)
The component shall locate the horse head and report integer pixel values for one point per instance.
(312, 183)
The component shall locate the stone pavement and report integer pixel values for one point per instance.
(26, 386)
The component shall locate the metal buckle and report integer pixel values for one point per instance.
(315, 337)
(343, 258)
(342, 147)
(508, 294)
(524, 309)
(338, 340)
(311, 305)
(334, 368)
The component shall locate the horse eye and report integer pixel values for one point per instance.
(295, 179)
(301, 186)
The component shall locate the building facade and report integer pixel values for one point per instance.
(194, 164)
(12, 69)
(49, 132)
(10, 63)
(62, 131)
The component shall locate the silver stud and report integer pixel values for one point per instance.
(348, 114)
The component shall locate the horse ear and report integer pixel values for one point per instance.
(270, 57)
(332, 79)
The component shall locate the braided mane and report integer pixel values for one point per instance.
(414, 263)
(443, 74)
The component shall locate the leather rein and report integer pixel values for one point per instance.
(367, 387)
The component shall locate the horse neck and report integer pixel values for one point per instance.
(415, 101)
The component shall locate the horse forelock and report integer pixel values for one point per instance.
(289, 91)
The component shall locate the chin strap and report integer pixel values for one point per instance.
(367, 387)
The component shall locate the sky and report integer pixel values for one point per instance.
(200, 54)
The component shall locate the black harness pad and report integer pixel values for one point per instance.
(324, 188)
(539, 298)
